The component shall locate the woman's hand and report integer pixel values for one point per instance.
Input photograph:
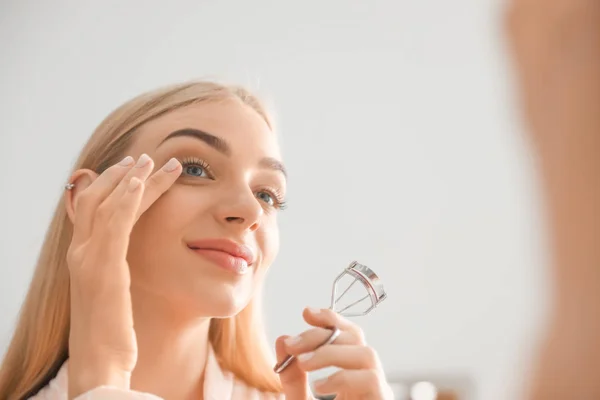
(361, 375)
(102, 343)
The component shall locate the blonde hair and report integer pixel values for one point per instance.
(40, 343)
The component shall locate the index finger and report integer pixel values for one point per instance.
(314, 338)
(159, 183)
(92, 196)
(326, 318)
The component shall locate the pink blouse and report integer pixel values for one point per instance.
(218, 385)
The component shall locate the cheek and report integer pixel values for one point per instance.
(168, 218)
(267, 238)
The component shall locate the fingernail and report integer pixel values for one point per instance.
(134, 183)
(171, 166)
(293, 340)
(305, 356)
(143, 160)
(313, 310)
(126, 161)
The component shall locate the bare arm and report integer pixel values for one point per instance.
(556, 47)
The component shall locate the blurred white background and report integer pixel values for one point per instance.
(398, 127)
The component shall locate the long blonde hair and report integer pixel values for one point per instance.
(40, 343)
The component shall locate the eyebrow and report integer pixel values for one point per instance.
(213, 141)
(274, 164)
(223, 147)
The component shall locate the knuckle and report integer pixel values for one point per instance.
(305, 341)
(333, 318)
(330, 314)
(358, 334)
(371, 356)
(155, 180)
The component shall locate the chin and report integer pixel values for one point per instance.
(215, 298)
(223, 304)
(197, 289)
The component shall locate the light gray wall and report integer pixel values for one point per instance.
(397, 126)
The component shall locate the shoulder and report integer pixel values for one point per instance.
(56, 389)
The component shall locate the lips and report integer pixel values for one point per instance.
(226, 253)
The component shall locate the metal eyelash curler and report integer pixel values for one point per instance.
(348, 303)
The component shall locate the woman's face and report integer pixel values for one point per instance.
(205, 245)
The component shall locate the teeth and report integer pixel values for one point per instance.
(243, 267)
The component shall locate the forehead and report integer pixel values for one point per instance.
(238, 124)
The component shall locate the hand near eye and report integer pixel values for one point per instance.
(361, 375)
(102, 343)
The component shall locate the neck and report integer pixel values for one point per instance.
(172, 348)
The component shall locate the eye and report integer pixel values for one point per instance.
(266, 197)
(272, 198)
(195, 168)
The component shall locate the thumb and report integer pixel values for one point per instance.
(293, 380)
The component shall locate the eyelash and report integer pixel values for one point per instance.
(193, 161)
(280, 203)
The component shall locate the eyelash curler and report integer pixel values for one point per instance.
(350, 303)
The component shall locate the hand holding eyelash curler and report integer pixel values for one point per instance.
(350, 303)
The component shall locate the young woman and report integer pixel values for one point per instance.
(148, 280)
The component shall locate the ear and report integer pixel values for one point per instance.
(81, 179)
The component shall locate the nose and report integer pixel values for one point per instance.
(240, 209)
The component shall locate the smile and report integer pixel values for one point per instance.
(225, 253)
